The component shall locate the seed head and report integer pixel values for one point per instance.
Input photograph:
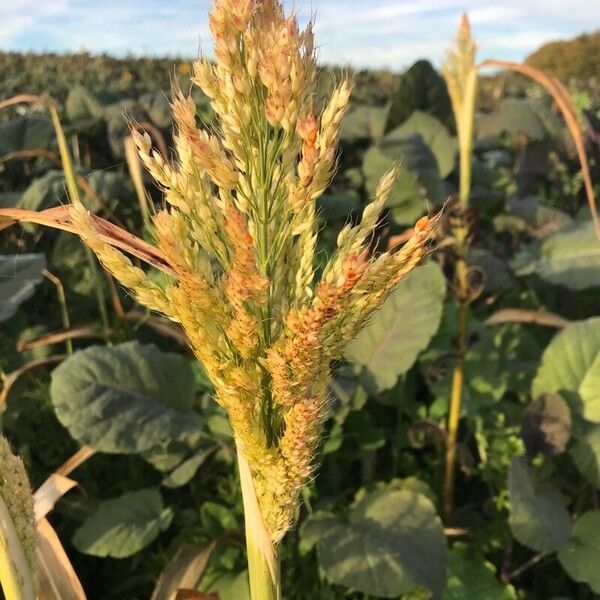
(239, 233)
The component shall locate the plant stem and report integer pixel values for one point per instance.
(461, 235)
(98, 289)
(530, 563)
(454, 413)
(263, 561)
(262, 585)
(135, 171)
(63, 306)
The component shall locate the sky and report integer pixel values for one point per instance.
(369, 33)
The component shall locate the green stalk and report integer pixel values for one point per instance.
(262, 585)
(263, 561)
(74, 196)
(66, 321)
(465, 138)
(98, 289)
(458, 376)
(135, 171)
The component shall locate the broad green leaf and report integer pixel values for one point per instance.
(83, 105)
(391, 543)
(495, 272)
(589, 390)
(498, 359)
(184, 472)
(125, 399)
(434, 134)
(338, 206)
(46, 191)
(169, 454)
(112, 188)
(571, 363)
(401, 329)
(25, 133)
(364, 122)
(543, 219)
(418, 180)
(217, 518)
(586, 454)
(50, 190)
(471, 577)
(407, 200)
(569, 257)
(546, 425)
(19, 275)
(32, 333)
(415, 156)
(581, 555)
(70, 257)
(413, 484)
(421, 88)
(538, 517)
(515, 116)
(229, 586)
(123, 526)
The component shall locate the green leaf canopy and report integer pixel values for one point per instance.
(581, 555)
(391, 543)
(125, 399)
(123, 526)
(571, 364)
(401, 329)
(18, 277)
(538, 517)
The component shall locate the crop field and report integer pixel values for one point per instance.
(271, 329)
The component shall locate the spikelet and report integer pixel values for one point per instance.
(460, 73)
(460, 65)
(239, 233)
(242, 284)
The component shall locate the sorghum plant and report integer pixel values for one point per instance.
(237, 240)
(460, 73)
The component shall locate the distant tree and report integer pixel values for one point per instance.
(421, 87)
(577, 58)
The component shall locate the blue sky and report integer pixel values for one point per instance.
(373, 33)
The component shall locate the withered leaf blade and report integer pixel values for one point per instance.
(58, 580)
(59, 218)
(183, 572)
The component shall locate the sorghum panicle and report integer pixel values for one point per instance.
(239, 231)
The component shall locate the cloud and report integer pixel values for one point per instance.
(390, 33)
(494, 14)
(17, 16)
